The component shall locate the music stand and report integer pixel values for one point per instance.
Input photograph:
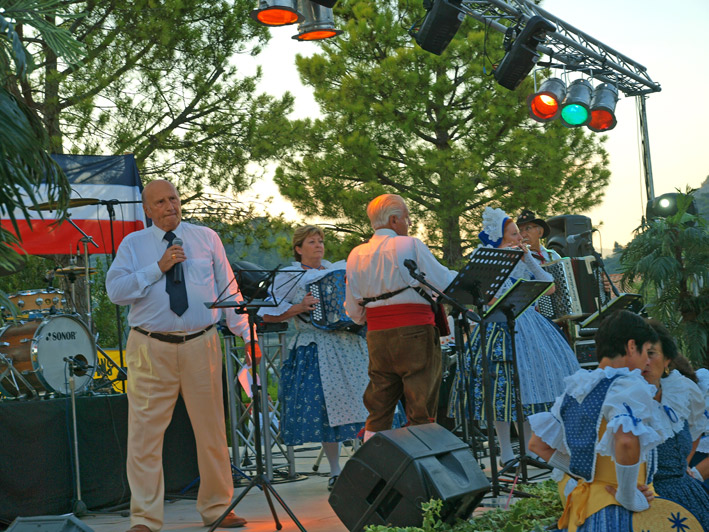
(511, 305)
(476, 284)
(621, 302)
(250, 307)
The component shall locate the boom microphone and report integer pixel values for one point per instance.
(572, 239)
(178, 276)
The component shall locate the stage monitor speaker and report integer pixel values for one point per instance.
(394, 472)
(49, 523)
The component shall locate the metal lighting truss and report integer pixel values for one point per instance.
(569, 46)
(578, 52)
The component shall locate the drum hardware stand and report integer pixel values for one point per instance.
(260, 480)
(78, 507)
(513, 303)
(122, 376)
(11, 373)
(85, 241)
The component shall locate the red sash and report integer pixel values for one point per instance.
(392, 316)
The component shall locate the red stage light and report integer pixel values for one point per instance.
(544, 105)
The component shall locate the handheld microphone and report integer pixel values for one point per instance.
(572, 239)
(178, 276)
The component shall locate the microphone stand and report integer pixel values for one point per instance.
(462, 315)
(476, 284)
(78, 506)
(110, 206)
(260, 480)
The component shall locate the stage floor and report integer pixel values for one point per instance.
(307, 498)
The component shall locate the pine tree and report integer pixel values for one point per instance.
(435, 129)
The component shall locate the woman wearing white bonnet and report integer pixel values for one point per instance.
(544, 357)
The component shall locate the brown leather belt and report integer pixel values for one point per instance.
(172, 338)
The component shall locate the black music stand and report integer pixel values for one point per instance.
(250, 307)
(476, 284)
(514, 302)
(623, 301)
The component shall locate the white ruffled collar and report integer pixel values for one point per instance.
(581, 383)
(674, 397)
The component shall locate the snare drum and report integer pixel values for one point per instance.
(38, 349)
(38, 301)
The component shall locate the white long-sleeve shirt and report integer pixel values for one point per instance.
(375, 268)
(135, 279)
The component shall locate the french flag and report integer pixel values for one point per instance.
(112, 182)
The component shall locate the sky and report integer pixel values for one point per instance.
(670, 43)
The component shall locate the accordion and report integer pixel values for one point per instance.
(577, 289)
(329, 312)
(564, 303)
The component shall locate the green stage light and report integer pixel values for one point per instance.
(545, 105)
(575, 110)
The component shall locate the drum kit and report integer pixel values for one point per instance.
(46, 346)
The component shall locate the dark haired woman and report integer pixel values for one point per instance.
(682, 407)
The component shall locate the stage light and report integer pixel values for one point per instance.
(575, 111)
(605, 96)
(276, 12)
(318, 22)
(668, 205)
(545, 105)
(439, 26)
(522, 54)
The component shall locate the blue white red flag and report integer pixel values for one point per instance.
(113, 182)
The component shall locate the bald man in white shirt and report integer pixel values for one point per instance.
(403, 342)
(174, 348)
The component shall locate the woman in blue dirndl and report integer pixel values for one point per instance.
(544, 357)
(324, 376)
(681, 405)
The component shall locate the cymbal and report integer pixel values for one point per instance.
(73, 202)
(74, 270)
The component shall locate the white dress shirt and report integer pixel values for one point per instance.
(376, 268)
(135, 279)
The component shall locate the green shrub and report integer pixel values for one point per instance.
(532, 514)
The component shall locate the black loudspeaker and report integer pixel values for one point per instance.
(389, 477)
(49, 523)
(564, 226)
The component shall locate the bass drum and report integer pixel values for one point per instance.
(38, 350)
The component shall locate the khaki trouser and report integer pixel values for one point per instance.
(404, 361)
(157, 373)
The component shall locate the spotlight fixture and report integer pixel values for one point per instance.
(522, 53)
(277, 12)
(669, 204)
(439, 26)
(605, 96)
(575, 111)
(545, 105)
(318, 22)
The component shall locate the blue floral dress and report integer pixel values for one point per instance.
(324, 376)
(544, 359)
(683, 406)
